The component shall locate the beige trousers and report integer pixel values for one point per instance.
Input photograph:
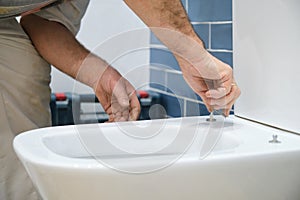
(24, 105)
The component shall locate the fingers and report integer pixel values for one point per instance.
(120, 102)
(216, 93)
(135, 108)
(124, 102)
(206, 101)
(237, 92)
(117, 96)
(223, 87)
(120, 94)
(224, 102)
(213, 83)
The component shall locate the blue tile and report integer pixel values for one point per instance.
(210, 10)
(202, 31)
(221, 36)
(154, 39)
(199, 98)
(163, 57)
(178, 86)
(157, 79)
(184, 3)
(174, 106)
(224, 56)
(195, 109)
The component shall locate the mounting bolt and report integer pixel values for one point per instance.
(275, 139)
(211, 118)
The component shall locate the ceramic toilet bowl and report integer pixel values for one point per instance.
(182, 158)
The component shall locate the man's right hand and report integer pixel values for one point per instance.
(212, 80)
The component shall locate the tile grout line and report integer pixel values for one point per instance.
(187, 6)
(209, 36)
(216, 22)
(177, 96)
(159, 46)
(220, 50)
(184, 107)
(173, 71)
(166, 82)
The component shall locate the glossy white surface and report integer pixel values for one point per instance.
(161, 160)
(266, 61)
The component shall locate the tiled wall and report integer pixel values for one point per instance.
(212, 20)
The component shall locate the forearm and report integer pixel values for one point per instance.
(58, 46)
(169, 22)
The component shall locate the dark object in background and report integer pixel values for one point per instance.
(67, 108)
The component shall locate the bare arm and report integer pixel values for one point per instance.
(169, 22)
(57, 45)
(165, 17)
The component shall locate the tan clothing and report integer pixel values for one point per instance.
(25, 93)
(68, 13)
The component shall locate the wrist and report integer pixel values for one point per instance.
(91, 70)
(192, 50)
(199, 59)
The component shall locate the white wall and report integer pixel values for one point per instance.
(107, 29)
(266, 61)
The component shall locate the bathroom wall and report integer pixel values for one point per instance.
(266, 61)
(105, 27)
(212, 20)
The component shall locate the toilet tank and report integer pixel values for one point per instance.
(266, 35)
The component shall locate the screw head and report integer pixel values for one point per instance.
(275, 139)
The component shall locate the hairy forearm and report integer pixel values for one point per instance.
(58, 46)
(161, 13)
(169, 22)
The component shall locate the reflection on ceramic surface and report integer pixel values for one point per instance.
(112, 161)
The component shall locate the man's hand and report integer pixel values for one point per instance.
(217, 88)
(208, 77)
(117, 96)
(57, 45)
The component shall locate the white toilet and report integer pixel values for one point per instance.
(253, 155)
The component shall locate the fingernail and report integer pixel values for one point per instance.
(208, 95)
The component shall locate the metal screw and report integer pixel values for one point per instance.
(211, 118)
(275, 139)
